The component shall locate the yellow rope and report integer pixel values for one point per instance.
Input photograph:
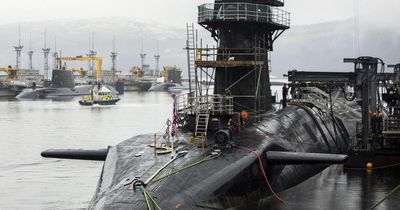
(374, 168)
(384, 198)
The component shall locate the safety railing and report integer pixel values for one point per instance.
(243, 12)
(212, 54)
(215, 104)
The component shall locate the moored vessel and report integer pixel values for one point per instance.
(99, 95)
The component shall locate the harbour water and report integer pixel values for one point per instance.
(338, 188)
(28, 181)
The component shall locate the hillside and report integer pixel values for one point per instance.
(309, 47)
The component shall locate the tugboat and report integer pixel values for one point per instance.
(99, 95)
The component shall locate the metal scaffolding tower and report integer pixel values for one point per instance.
(18, 49)
(46, 52)
(92, 53)
(55, 54)
(113, 60)
(142, 56)
(30, 52)
(156, 69)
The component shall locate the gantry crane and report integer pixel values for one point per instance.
(82, 73)
(99, 61)
(11, 73)
(138, 72)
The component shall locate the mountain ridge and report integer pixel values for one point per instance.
(320, 46)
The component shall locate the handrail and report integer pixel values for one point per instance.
(243, 12)
(215, 104)
(204, 54)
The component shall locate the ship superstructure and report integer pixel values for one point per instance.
(228, 149)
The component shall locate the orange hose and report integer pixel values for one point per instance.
(262, 171)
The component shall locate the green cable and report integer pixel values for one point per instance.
(384, 198)
(207, 158)
(179, 170)
(147, 194)
(147, 200)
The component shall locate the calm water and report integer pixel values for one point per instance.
(28, 181)
(340, 189)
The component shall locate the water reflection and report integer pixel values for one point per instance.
(28, 181)
(338, 188)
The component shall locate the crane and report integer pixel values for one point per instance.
(99, 61)
(138, 72)
(81, 71)
(11, 73)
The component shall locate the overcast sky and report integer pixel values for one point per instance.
(178, 12)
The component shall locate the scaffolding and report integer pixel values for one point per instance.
(232, 59)
(202, 64)
(238, 66)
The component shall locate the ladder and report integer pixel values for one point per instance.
(202, 123)
(191, 54)
(269, 68)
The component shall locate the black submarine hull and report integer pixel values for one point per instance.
(231, 180)
(62, 88)
(58, 93)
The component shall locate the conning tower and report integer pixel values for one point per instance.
(245, 31)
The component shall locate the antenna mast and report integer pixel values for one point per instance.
(18, 49)
(46, 52)
(30, 52)
(55, 54)
(113, 59)
(157, 57)
(91, 54)
(142, 56)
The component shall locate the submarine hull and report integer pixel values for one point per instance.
(58, 93)
(62, 88)
(233, 179)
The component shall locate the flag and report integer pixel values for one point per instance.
(174, 131)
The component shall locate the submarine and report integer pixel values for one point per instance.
(230, 148)
(62, 87)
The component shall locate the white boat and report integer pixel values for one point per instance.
(101, 95)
